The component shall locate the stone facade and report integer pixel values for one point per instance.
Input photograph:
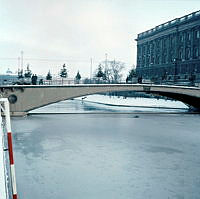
(171, 51)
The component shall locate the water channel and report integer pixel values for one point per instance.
(135, 153)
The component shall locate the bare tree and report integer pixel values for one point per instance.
(116, 68)
(111, 71)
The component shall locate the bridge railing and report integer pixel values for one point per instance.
(84, 81)
(72, 81)
(3, 170)
(8, 187)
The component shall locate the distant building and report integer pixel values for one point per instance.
(9, 72)
(171, 51)
(8, 79)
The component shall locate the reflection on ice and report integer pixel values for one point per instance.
(167, 150)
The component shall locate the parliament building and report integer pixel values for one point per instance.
(170, 52)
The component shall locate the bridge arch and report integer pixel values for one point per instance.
(27, 98)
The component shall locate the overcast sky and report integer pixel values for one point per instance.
(53, 32)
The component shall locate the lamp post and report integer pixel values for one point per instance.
(90, 70)
(193, 76)
(175, 61)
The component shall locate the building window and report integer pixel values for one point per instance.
(148, 49)
(143, 50)
(198, 68)
(187, 53)
(186, 77)
(157, 59)
(181, 54)
(140, 50)
(164, 59)
(152, 59)
(196, 34)
(143, 61)
(181, 37)
(172, 41)
(157, 44)
(188, 36)
(196, 52)
(165, 43)
(152, 47)
(139, 61)
(147, 61)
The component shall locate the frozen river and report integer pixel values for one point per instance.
(114, 156)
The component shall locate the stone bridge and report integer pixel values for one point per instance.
(24, 98)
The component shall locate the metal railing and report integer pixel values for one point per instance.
(7, 172)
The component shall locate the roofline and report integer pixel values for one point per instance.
(169, 24)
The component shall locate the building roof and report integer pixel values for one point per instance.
(177, 21)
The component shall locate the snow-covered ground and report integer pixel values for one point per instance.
(130, 101)
(105, 103)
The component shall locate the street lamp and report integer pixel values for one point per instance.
(193, 76)
(175, 61)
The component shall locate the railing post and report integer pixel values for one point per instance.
(10, 148)
(4, 188)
